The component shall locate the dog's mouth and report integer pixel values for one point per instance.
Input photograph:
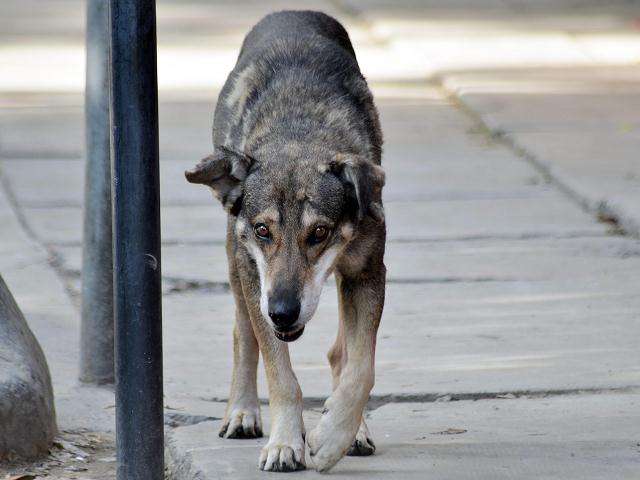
(289, 336)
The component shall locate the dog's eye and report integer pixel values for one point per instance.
(319, 235)
(261, 231)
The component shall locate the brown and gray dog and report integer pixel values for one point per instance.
(296, 163)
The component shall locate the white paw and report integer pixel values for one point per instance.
(362, 446)
(242, 422)
(329, 443)
(283, 456)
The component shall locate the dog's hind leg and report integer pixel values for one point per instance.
(337, 356)
(363, 445)
(242, 417)
(361, 302)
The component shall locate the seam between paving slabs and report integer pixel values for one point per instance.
(183, 284)
(603, 213)
(182, 419)
(177, 285)
(53, 258)
(377, 401)
(400, 240)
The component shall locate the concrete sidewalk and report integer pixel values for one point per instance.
(509, 342)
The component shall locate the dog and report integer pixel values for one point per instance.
(296, 164)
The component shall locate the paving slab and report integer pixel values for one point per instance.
(477, 336)
(41, 183)
(444, 181)
(418, 164)
(429, 38)
(414, 172)
(570, 121)
(586, 437)
(25, 117)
(544, 214)
(31, 133)
(63, 225)
(482, 260)
(536, 315)
(189, 262)
(198, 42)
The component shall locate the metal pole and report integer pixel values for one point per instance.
(136, 224)
(96, 332)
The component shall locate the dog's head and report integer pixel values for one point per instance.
(297, 209)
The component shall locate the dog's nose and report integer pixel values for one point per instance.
(284, 312)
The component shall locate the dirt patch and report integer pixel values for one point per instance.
(78, 455)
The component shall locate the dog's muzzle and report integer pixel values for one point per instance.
(284, 310)
(289, 336)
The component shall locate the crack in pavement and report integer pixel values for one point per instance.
(53, 258)
(377, 401)
(182, 285)
(177, 285)
(179, 419)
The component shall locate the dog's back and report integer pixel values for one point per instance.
(297, 24)
(297, 78)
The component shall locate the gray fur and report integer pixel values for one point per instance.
(304, 84)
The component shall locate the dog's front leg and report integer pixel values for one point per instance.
(285, 450)
(361, 302)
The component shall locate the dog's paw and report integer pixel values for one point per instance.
(242, 423)
(362, 446)
(328, 444)
(282, 457)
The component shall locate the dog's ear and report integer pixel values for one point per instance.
(364, 181)
(224, 172)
